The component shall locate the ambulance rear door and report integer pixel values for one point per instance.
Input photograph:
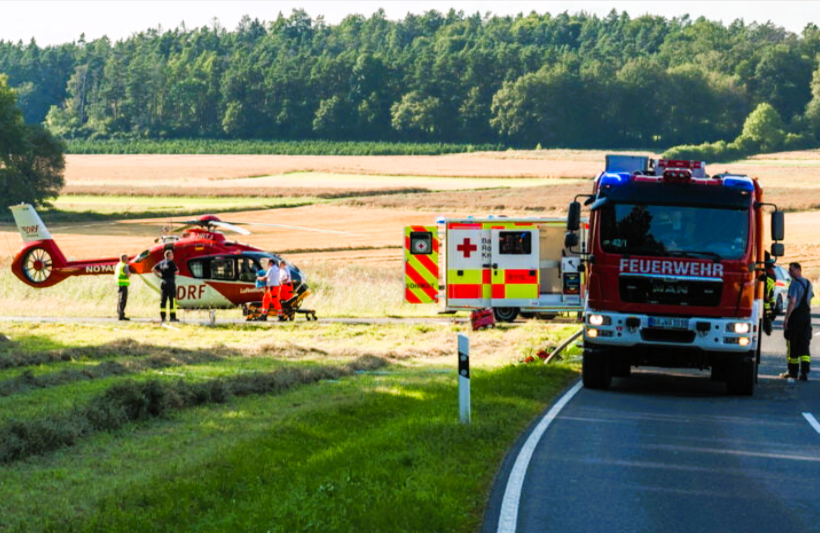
(421, 264)
(468, 255)
(515, 266)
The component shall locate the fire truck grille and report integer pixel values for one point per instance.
(664, 291)
(666, 335)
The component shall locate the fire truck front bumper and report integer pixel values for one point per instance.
(707, 334)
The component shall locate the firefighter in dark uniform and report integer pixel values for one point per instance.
(167, 271)
(769, 302)
(797, 324)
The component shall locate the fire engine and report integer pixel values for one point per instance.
(512, 265)
(672, 270)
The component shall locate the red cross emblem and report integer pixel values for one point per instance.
(466, 247)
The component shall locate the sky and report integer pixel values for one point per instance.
(63, 21)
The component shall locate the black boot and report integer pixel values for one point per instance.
(805, 368)
(162, 316)
(174, 317)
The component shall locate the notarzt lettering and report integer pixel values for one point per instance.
(98, 269)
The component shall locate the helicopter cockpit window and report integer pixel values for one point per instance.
(222, 268)
(141, 257)
(197, 268)
(246, 269)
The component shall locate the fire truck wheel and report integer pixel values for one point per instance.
(621, 368)
(759, 348)
(742, 375)
(505, 314)
(595, 369)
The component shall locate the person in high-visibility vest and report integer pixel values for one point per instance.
(122, 273)
(797, 325)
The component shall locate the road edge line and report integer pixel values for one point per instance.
(812, 421)
(508, 517)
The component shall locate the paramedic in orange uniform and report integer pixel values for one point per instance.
(271, 279)
(285, 282)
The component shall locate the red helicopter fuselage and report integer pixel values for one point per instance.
(214, 273)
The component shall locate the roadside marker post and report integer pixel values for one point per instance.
(463, 378)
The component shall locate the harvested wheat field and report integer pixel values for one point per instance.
(791, 179)
(385, 193)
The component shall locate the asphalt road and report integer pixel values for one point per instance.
(670, 451)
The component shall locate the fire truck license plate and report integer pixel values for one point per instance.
(664, 322)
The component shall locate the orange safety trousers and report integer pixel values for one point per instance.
(286, 292)
(271, 297)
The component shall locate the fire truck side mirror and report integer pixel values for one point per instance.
(778, 227)
(570, 240)
(778, 250)
(574, 217)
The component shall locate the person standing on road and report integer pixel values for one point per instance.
(167, 270)
(769, 302)
(271, 279)
(123, 274)
(797, 324)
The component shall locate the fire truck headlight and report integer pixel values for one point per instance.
(739, 327)
(743, 341)
(600, 320)
(592, 333)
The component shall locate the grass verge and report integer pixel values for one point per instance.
(380, 450)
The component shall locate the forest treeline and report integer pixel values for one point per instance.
(568, 80)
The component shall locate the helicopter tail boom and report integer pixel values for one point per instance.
(41, 263)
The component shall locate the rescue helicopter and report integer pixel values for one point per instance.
(214, 272)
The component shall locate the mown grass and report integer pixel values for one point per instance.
(346, 290)
(377, 451)
(319, 147)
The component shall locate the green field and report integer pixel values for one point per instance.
(319, 147)
(306, 427)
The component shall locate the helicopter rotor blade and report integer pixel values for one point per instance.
(230, 226)
(302, 228)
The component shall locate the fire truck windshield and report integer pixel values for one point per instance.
(666, 230)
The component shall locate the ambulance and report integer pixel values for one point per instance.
(516, 266)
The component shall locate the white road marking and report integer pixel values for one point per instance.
(508, 518)
(812, 421)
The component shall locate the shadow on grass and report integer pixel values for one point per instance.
(133, 358)
(132, 401)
